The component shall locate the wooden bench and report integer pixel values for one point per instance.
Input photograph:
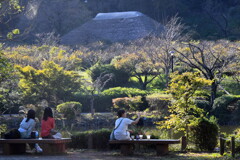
(162, 145)
(49, 146)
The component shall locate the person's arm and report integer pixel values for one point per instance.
(136, 121)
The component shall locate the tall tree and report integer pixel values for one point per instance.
(160, 49)
(8, 9)
(52, 83)
(139, 65)
(183, 110)
(212, 59)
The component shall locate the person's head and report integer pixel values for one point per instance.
(30, 115)
(121, 113)
(47, 113)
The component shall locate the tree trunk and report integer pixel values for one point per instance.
(92, 106)
(144, 86)
(213, 93)
(167, 77)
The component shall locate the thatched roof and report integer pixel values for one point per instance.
(113, 27)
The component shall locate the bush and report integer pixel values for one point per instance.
(103, 101)
(129, 104)
(99, 140)
(203, 104)
(70, 109)
(205, 134)
(123, 92)
(226, 108)
(159, 102)
(120, 76)
(3, 129)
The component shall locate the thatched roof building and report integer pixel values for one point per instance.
(113, 27)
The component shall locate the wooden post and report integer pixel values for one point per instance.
(183, 143)
(233, 146)
(222, 142)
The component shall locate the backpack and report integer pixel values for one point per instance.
(13, 134)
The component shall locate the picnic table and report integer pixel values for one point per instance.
(49, 146)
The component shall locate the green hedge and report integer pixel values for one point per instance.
(103, 101)
(99, 139)
(120, 77)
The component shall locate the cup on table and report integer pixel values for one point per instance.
(141, 136)
(132, 137)
(148, 136)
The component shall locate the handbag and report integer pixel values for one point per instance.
(112, 137)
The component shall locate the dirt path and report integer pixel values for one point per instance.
(82, 155)
(115, 155)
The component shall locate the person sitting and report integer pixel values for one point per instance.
(48, 124)
(121, 125)
(26, 127)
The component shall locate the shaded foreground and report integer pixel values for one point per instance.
(109, 155)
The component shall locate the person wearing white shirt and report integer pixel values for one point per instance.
(121, 125)
(26, 127)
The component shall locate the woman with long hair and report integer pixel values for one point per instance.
(27, 126)
(48, 123)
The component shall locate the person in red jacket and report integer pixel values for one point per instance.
(48, 123)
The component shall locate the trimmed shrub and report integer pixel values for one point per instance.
(103, 101)
(99, 139)
(123, 92)
(205, 134)
(79, 140)
(129, 104)
(120, 76)
(159, 102)
(70, 109)
(226, 108)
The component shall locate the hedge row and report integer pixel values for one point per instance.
(103, 101)
(95, 139)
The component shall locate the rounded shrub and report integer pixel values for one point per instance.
(205, 134)
(226, 108)
(128, 103)
(70, 109)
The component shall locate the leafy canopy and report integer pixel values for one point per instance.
(52, 82)
(183, 110)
